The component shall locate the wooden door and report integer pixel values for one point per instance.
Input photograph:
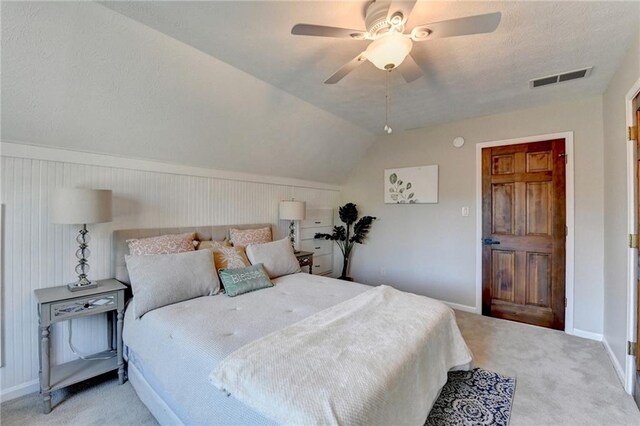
(524, 232)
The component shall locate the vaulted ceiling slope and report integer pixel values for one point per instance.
(464, 76)
(81, 76)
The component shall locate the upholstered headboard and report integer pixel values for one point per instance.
(203, 233)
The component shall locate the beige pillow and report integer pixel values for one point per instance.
(224, 255)
(230, 258)
(161, 280)
(164, 244)
(213, 244)
(244, 237)
(277, 257)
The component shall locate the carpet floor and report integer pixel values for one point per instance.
(561, 380)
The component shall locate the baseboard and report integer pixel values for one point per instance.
(616, 365)
(459, 307)
(19, 390)
(586, 334)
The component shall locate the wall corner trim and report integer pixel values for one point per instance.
(459, 307)
(586, 334)
(616, 364)
(65, 155)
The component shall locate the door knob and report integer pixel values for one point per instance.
(489, 242)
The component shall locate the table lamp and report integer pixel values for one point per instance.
(75, 206)
(292, 210)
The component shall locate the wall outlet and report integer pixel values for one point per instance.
(465, 211)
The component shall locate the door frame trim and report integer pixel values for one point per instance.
(632, 254)
(570, 195)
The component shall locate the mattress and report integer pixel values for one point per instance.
(176, 347)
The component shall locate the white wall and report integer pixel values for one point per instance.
(81, 76)
(615, 213)
(430, 248)
(38, 254)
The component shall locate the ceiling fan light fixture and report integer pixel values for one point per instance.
(388, 51)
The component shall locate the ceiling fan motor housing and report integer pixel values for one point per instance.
(376, 20)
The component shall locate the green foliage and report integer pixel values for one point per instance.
(399, 193)
(348, 213)
(361, 229)
(342, 236)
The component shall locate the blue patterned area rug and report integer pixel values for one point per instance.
(477, 397)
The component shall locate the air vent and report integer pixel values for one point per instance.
(559, 78)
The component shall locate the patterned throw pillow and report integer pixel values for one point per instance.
(244, 280)
(164, 244)
(224, 255)
(230, 257)
(244, 237)
(213, 244)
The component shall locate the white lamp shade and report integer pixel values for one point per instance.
(292, 210)
(81, 206)
(388, 51)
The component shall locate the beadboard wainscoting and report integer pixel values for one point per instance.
(37, 253)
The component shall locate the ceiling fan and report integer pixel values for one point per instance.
(385, 23)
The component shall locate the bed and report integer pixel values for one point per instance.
(172, 351)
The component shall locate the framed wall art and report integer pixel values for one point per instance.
(411, 185)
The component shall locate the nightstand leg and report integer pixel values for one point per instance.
(110, 328)
(45, 378)
(119, 346)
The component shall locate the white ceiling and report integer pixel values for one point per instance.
(464, 76)
(80, 76)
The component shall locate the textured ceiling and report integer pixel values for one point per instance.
(464, 76)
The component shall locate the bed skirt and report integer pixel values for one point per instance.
(149, 397)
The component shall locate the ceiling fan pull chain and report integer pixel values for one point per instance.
(387, 128)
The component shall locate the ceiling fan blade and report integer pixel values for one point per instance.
(457, 27)
(322, 31)
(400, 6)
(409, 69)
(346, 69)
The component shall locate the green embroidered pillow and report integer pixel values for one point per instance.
(243, 280)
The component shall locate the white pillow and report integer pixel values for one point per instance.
(164, 279)
(277, 257)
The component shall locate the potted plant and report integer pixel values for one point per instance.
(343, 237)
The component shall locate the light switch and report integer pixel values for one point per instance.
(465, 211)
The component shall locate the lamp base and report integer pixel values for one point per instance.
(77, 286)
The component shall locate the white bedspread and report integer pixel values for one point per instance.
(379, 358)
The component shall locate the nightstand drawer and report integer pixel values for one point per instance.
(309, 233)
(317, 222)
(85, 305)
(318, 247)
(322, 264)
(317, 218)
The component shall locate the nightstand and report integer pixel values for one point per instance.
(57, 304)
(305, 258)
(318, 221)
